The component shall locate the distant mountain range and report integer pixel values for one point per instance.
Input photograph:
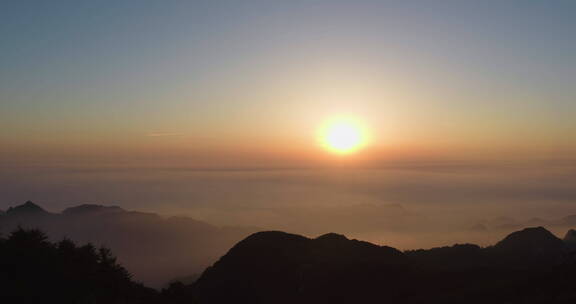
(527, 266)
(155, 249)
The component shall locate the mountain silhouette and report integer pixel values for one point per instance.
(155, 249)
(531, 239)
(570, 239)
(26, 209)
(536, 245)
(278, 267)
(527, 266)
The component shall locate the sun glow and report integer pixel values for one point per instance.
(343, 135)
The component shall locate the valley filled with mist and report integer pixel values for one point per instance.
(406, 205)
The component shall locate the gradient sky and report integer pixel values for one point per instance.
(246, 82)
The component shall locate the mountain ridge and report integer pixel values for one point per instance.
(279, 267)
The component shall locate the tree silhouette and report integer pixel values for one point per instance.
(32, 267)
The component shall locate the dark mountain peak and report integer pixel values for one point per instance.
(91, 209)
(272, 236)
(338, 249)
(328, 246)
(265, 240)
(292, 266)
(332, 237)
(529, 237)
(570, 236)
(28, 208)
(258, 254)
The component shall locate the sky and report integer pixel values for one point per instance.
(213, 109)
(248, 83)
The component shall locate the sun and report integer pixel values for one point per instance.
(343, 135)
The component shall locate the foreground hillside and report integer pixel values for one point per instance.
(155, 249)
(528, 266)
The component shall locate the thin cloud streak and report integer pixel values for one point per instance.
(163, 134)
